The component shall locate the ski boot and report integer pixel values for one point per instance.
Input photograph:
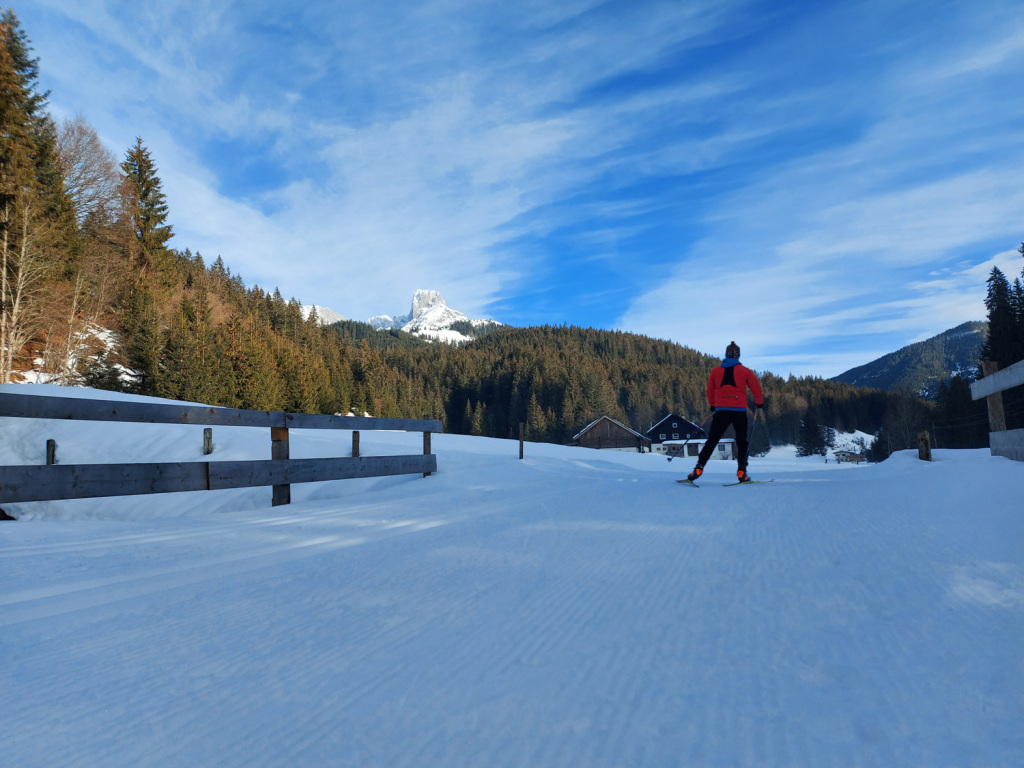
(697, 472)
(742, 476)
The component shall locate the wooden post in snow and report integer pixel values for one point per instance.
(520, 441)
(924, 446)
(426, 448)
(51, 452)
(279, 452)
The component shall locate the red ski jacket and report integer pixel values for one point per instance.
(727, 387)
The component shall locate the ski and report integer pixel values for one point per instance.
(687, 481)
(748, 482)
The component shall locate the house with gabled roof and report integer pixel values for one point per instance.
(606, 433)
(676, 436)
(674, 427)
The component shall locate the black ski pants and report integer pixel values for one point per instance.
(719, 423)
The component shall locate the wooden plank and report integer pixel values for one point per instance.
(369, 423)
(45, 407)
(82, 481)
(247, 474)
(1009, 443)
(998, 381)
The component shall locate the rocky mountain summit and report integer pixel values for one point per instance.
(431, 318)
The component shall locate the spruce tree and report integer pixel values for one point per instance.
(1002, 321)
(146, 206)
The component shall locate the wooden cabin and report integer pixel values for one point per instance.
(606, 433)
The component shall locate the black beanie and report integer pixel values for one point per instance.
(733, 350)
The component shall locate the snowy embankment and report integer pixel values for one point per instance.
(576, 608)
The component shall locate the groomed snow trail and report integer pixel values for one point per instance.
(577, 608)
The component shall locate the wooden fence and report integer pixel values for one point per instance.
(1002, 441)
(79, 481)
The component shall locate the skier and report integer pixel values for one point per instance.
(727, 397)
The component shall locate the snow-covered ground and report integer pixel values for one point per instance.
(576, 608)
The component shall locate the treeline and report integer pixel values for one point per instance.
(92, 288)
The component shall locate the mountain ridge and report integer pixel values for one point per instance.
(429, 318)
(923, 366)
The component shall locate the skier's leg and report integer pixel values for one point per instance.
(719, 423)
(742, 444)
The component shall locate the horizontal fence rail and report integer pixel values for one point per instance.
(80, 481)
(84, 481)
(998, 381)
(32, 407)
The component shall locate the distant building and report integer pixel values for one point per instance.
(849, 456)
(676, 436)
(726, 448)
(674, 427)
(606, 433)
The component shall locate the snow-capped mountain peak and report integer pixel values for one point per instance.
(430, 317)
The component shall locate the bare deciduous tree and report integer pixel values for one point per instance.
(24, 266)
(91, 174)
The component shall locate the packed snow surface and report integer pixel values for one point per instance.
(575, 608)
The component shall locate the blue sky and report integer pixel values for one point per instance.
(823, 182)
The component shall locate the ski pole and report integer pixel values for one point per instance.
(750, 439)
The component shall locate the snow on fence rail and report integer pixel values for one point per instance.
(79, 481)
(1002, 441)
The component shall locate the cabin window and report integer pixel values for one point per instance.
(674, 425)
(661, 437)
(692, 450)
(675, 435)
(721, 448)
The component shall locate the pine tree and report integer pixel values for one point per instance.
(146, 206)
(811, 440)
(140, 326)
(1000, 344)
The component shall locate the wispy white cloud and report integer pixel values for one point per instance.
(830, 250)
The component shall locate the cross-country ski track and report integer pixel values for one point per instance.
(575, 608)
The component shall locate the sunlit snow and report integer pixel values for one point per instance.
(574, 608)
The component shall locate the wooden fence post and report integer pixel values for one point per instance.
(426, 448)
(279, 452)
(51, 452)
(520, 441)
(996, 415)
(355, 444)
(924, 446)
(207, 441)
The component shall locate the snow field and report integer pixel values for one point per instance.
(576, 608)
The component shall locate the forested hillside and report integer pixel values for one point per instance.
(923, 367)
